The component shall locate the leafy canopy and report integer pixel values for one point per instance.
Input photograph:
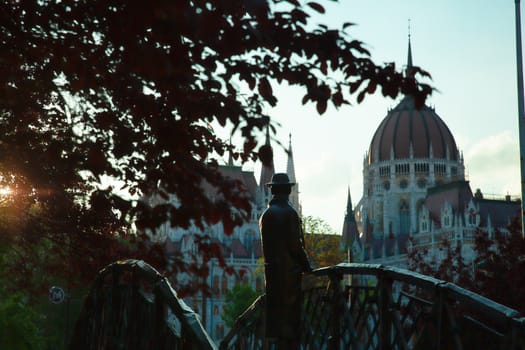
(322, 245)
(496, 272)
(237, 300)
(93, 90)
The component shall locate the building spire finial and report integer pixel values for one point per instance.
(290, 168)
(349, 209)
(266, 156)
(409, 59)
(350, 234)
(230, 154)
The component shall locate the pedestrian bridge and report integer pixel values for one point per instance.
(347, 306)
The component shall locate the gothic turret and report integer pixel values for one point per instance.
(267, 168)
(350, 234)
(290, 170)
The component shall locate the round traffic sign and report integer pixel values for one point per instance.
(56, 295)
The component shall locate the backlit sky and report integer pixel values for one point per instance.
(468, 46)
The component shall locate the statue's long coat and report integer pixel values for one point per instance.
(285, 260)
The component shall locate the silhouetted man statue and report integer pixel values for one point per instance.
(285, 261)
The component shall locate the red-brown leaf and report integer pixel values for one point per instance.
(321, 106)
(316, 7)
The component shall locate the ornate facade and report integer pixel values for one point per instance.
(241, 250)
(414, 186)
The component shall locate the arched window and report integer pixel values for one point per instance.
(446, 216)
(402, 169)
(384, 171)
(219, 331)
(422, 216)
(224, 284)
(258, 284)
(472, 217)
(404, 217)
(249, 239)
(215, 287)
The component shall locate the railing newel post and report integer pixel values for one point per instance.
(335, 320)
(521, 330)
(517, 328)
(439, 311)
(385, 315)
(444, 306)
(512, 340)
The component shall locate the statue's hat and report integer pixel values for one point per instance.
(280, 179)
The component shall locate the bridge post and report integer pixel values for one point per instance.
(335, 317)
(385, 314)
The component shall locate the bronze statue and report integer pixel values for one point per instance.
(285, 261)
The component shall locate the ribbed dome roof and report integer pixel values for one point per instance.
(405, 127)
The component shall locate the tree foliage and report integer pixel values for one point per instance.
(497, 271)
(93, 90)
(237, 300)
(19, 323)
(500, 267)
(447, 263)
(322, 245)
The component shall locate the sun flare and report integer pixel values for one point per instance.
(5, 191)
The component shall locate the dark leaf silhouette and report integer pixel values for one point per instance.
(497, 271)
(316, 7)
(321, 106)
(106, 110)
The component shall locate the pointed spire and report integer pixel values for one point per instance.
(349, 209)
(267, 169)
(410, 65)
(290, 168)
(230, 154)
(350, 234)
(409, 59)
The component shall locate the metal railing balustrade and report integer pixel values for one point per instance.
(364, 306)
(131, 306)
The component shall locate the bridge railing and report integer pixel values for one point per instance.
(363, 306)
(248, 331)
(131, 306)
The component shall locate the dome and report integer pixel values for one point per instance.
(408, 132)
